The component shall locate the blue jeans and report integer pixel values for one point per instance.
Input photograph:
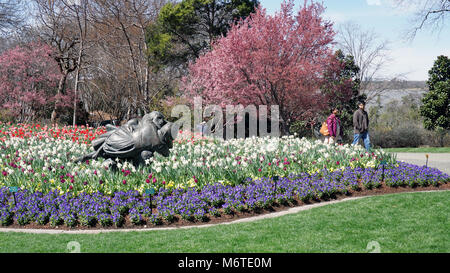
(365, 137)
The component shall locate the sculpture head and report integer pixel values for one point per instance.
(157, 118)
(166, 134)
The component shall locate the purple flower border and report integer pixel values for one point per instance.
(200, 205)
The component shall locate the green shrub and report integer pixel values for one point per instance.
(409, 135)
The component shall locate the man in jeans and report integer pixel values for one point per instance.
(361, 126)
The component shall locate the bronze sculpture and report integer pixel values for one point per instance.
(137, 140)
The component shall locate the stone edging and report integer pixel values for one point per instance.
(244, 220)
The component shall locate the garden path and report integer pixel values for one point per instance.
(437, 160)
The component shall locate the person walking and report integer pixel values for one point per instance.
(361, 126)
(202, 127)
(334, 128)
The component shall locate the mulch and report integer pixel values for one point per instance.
(224, 218)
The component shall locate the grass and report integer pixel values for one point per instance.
(419, 150)
(415, 222)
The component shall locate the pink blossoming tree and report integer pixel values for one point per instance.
(29, 77)
(281, 60)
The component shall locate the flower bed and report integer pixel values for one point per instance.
(37, 163)
(204, 179)
(79, 134)
(194, 205)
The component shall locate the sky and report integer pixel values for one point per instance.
(413, 58)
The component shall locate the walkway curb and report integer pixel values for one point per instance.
(244, 220)
(439, 161)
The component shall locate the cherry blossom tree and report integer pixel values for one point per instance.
(29, 78)
(270, 60)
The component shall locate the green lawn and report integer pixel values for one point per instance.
(399, 223)
(419, 150)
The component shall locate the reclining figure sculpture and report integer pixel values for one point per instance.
(137, 140)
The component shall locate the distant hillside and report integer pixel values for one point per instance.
(387, 91)
(398, 85)
(414, 85)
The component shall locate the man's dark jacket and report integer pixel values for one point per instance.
(360, 121)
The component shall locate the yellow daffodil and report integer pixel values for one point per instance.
(171, 184)
(191, 183)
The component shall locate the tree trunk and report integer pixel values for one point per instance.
(285, 128)
(80, 55)
(128, 112)
(61, 84)
(285, 124)
(147, 80)
(77, 76)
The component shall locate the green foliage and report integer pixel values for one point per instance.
(396, 113)
(170, 38)
(351, 69)
(406, 135)
(184, 12)
(158, 46)
(436, 103)
(302, 128)
(434, 150)
(5, 116)
(183, 30)
(436, 107)
(439, 72)
(158, 103)
(399, 124)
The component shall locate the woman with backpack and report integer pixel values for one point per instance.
(335, 132)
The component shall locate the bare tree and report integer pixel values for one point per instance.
(122, 27)
(430, 14)
(78, 11)
(109, 84)
(57, 29)
(11, 14)
(370, 53)
(101, 48)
